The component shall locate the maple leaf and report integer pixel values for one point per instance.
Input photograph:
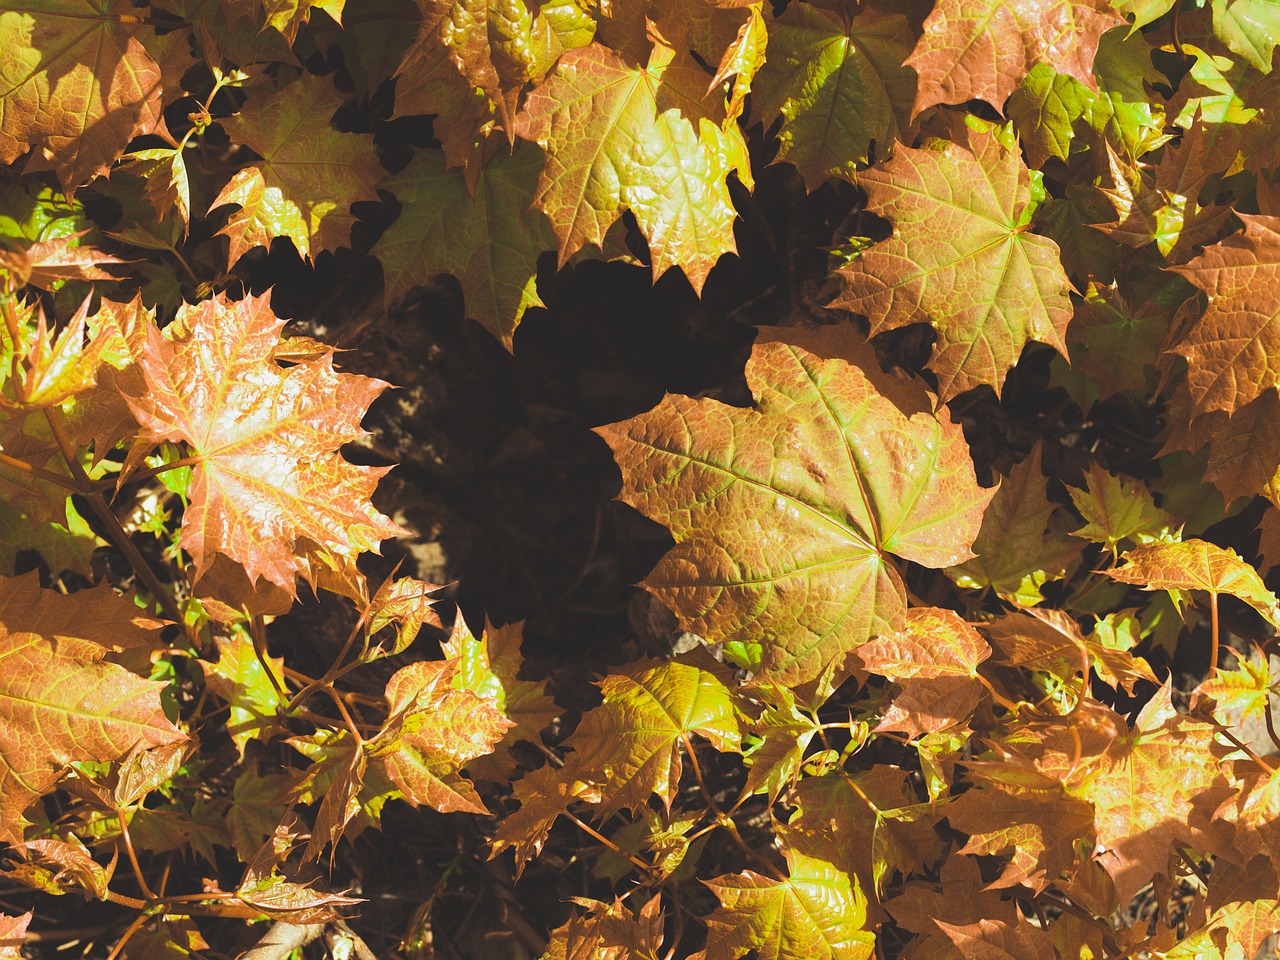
(608, 931)
(1121, 342)
(1156, 788)
(310, 174)
(1231, 351)
(490, 668)
(1250, 28)
(60, 700)
(981, 49)
(866, 824)
(544, 794)
(45, 262)
(484, 233)
(934, 659)
(1115, 509)
(1020, 811)
(993, 940)
(240, 678)
(1244, 456)
(784, 733)
(656, 148)
(1197, 565)
(433, 731)
(13, 934)
(468, 65)
(268, 474)
(962, 899)
(839, 86)
(1015, 553)
(783, 515)
(961, 258)
(76, 83)
(629, 746)
(818, 912)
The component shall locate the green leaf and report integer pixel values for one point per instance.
(1115, 509)
(1044, 110)
(960, 258)
(839, 86)
(1250, 28)
(239, 678)
(784, 515)
(630, 746)
(484, 233)
(622, 137)
(818, 913)
(309, 176)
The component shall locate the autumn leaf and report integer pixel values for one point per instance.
(483, 233)
(13, 934)
(1196, 565)
(630, 746)
(934, 659)
(784, 514)
(657, 148)
(432, 732)
(839, 86)
(608, 931)
(1120, 341)
(310, 174)
(1015, 552)
(1116, 509)
(1157, 787)
(818, 913)
(60, 700)
(268, 475)
(1231, 351)
(76, 83)
(993, 940)
(1024, 813)
(981, 49)
(960, 258)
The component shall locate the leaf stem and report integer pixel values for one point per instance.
(117, 533)
(591, 831)
(133, 856)
(24, 467)
(1213, 626)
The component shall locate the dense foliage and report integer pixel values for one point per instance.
(973, 654)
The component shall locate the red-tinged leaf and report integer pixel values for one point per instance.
(981, 49)
(818, 913)
(1197, 565)
(1231, 351)
(13, 934)
(544, 794)
(961, 259)
(490, 668)
(620, 137)
(309, 176)
(483, 231)
(76, 83)
(60, 865)
(1016, 552)
(934, 659)
(1157, 788)
(630, 746)
(59, 700)
(1244, 458)
(1015, 810)
(54, 369)
(839, 85)
(433, 731)
(1116, 509)
(406, 604)
(47, 261)
(291, 902)
(269, 476)
(608, 931)
(993, 940)
(784, 514)
(961, 898)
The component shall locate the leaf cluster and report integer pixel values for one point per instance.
(943, 687)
